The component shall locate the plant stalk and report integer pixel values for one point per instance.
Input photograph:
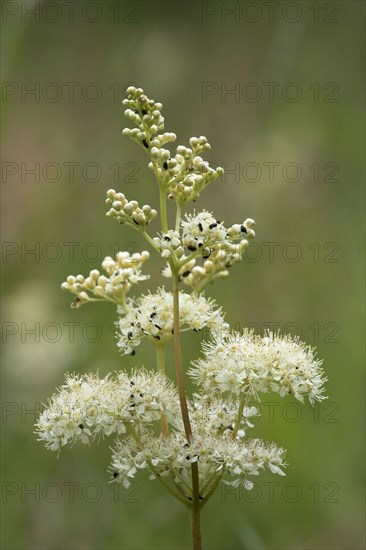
(196, 524)
(160, 361)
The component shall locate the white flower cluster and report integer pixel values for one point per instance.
(151, 316)
(219, 247)
(169, 244)
(87, 406)
(220, 416)
(203, 237)
(249, 364)
(199, 442)
(122, 273)
(129, 212)
(184, 175)
(219, 458)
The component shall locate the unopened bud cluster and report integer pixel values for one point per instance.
(183, 175)
(125, 211)
(122, 273)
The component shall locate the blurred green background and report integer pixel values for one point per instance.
(298, 159)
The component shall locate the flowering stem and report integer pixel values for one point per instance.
(239, 415)
(177, 217)
(190, 257)
(178, 360)
(160, 360)
(196, 524)
(154, 470)
(150, 241)
(123, 304)
(196, 528)
(163, 214)
(211, 485)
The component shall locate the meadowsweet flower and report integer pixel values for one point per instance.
(151, 316)
(122, 273)
(86, 406)
(188, 445)
(204, 231)
(249, 364)
(205, 237)
(169, 244)
(219, 416)
(219, 458)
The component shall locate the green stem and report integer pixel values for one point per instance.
(190, 257)
(163, 212)
(160, 361)
(123, 304)
(239, 415)
(216, 480)
(177, 217)
(150, 241)
(183, 482)
(196, 526)
(154, 470)
(178, 360)
(196, 529)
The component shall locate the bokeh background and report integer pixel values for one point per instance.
(304, 275)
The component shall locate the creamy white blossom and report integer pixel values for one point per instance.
(206, 238)
(87, 406)
(189, 445)
(151, 316)
(219, 416)
(249, 364)
(204, 231)
(169, 244)
(219, 458)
